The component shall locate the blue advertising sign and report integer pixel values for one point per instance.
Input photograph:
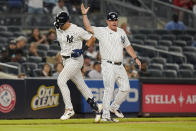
(131, 104)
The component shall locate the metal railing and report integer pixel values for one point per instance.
(11, 69)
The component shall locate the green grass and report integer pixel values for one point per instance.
(131, 124)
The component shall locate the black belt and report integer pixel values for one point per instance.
(66, 57)
(115, 63)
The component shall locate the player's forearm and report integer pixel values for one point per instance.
(91, 41)
(131, 51)
(87, 24)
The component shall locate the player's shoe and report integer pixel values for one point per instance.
(98, 113)
(68, 113)
(109, 120)
(118, 113)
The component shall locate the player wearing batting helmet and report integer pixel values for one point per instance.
(70, 38)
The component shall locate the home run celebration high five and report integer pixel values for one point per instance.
(112, 41)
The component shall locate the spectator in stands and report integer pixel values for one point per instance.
(22, 76)
(60, 6)
(37, 37)
(4, 55)
(35, 6)
(91, 52)
(12, 49)
(33, 49)
(51, 36)
(49, 4)
(18, 57)
(126, 28)
(187, 4)
(98, 58)
(21, 42)
(58, 58)
(87, 63)
(146, 73)
(58, 68)
(133, 72)
(175, 24)
(96, 72)
(46, 71)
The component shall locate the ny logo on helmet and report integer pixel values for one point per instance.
(70, 38)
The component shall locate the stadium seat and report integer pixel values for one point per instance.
(179, 59)
(3, 40)
(148, 52)
(28, 68)
(158, 60)
(155, 66)
(3, 28)
(137, 41)
(14, 29)
(175, 49)
(185, 37)
(11, 70)
(180, 43)
(37, 72)
(153, 37)
(145, 59)
(42, 53)
(161, 32)
(191, 57)
(170, 66)
(40, 65)
(169, 73)
(189, 49)
(169, 37)
(145, 31)
(43, 47)
(139, 36)
(34, 59)
(6, 34)
(194, 74)
(55, 47)
(186, 66)
(165, 48)
(190, 32)
(154, 73)
(177, 32)
(150, 42)
(165, 43)
(185, 73)
(51, 53)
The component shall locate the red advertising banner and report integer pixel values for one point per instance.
(169, 98)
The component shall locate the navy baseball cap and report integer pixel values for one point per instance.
(62, 18)
(112, 16)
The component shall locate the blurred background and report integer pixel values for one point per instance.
(162, 32)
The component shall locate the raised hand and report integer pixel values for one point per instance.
(84, 10)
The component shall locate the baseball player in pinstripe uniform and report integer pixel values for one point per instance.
(70, 37)
(112, 40)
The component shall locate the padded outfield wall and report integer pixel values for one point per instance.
(41, 98)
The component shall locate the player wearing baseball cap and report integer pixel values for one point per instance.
(112, 41)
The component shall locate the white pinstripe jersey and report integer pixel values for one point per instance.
(71, 39)
(111, 43)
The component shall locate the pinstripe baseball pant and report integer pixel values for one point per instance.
(72, 70)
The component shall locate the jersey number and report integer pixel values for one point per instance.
(70, 38)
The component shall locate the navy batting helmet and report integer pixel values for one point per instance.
(61, 19)
(112, 16)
